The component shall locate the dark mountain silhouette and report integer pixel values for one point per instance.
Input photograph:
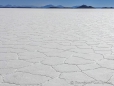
(52, 6)
(107, 7)
(85, 6)
(60, 6)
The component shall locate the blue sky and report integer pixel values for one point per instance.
(59, 2)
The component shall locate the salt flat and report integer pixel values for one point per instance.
(56, 47)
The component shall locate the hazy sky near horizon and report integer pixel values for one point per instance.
(59, 2)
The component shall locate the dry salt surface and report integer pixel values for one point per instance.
(56, 47)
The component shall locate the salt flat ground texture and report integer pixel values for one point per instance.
(56, 47)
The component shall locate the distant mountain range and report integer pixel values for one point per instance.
(60, 6)
(52, 6)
